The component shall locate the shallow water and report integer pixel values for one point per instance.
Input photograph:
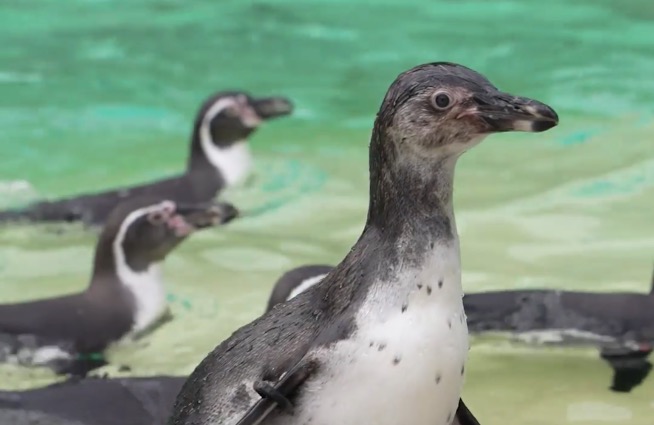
(100, 93)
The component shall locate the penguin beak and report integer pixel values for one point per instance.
(502, 112)
(207, 215)
(272, 107)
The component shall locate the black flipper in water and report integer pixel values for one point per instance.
(630, 367)
(464, 416)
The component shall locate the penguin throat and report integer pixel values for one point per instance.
(232, 162)
(427, 280)
(146, 286)
(148, 291)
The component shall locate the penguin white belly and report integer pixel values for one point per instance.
(403, 365)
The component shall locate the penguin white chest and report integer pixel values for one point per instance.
(405, 363)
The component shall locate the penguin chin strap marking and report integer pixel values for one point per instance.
(232, 162)
(147, 286)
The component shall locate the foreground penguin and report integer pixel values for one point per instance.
(126, 296)
(219, 157)
(382, 339)
(621, 324)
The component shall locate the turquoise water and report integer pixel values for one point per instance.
(97, 94)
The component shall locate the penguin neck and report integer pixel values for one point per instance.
(411, 219)
(143, 283)
(411, 196)
(224, 154)
(228, 162)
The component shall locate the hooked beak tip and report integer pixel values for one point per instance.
(504, 112)
(227, 213)
(273, 107)
(543, 117)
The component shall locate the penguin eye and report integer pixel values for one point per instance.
(156, 218)
(231, 112)
(441, 100)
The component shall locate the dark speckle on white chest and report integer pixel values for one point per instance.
(410, 349)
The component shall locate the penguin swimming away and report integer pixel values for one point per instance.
(620, 324)
(219, 157)
(382, 339)
(126, 296)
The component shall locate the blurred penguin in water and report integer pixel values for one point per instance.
(219, 157)
(126, 295)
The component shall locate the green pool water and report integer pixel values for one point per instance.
(101, 93)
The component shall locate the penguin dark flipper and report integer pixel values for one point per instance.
(464, 416)
(277, 395)
(630, 366)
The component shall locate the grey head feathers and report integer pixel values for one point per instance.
(144, 230)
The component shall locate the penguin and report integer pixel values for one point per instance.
(619, 324)
(125, 298)
(219, 157)
(382, 339)
(102, 400)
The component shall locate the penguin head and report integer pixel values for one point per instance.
(143, 231)
(441, 109)
(231, 116)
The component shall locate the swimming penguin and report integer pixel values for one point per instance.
(219, 157)
(382, 339)
(126, 296)
(101, 400)
(620, 324)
